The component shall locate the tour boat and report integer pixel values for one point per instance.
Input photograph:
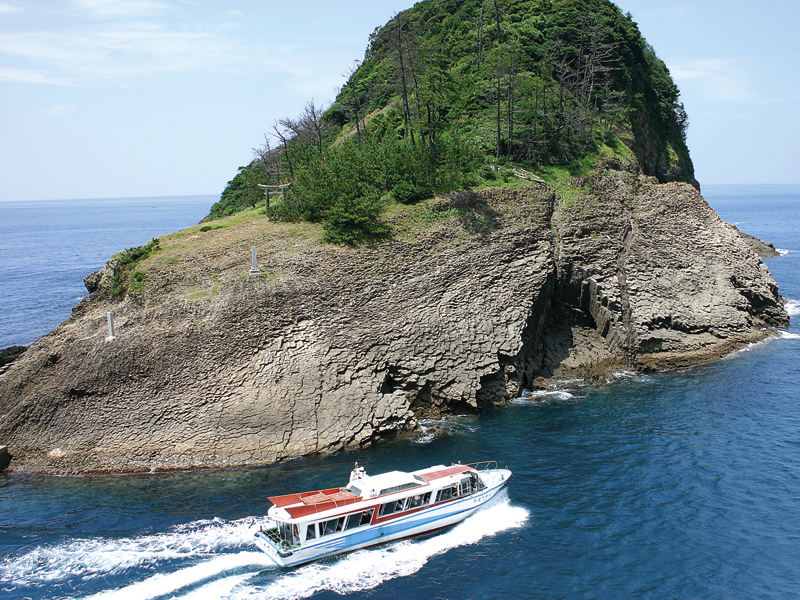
(375, 510)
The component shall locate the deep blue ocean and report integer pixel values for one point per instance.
(681, 485)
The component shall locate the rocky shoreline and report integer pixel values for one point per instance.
(478, 296)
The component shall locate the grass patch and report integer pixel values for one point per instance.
(251, 214)
(137, 281)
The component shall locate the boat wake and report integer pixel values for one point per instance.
(87, 559)
(366, 569)
(217, 570)
(190, 577)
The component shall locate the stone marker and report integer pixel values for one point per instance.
(254, 270)
(111, 337)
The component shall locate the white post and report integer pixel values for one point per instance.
(254, 270)
(111, 335)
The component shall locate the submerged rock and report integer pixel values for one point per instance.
(474, 300)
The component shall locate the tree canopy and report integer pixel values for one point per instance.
(451, 90)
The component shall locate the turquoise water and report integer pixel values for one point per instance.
(681, 485)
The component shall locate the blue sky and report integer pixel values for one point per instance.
(128, 98)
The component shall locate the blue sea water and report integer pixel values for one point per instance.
(678, 485)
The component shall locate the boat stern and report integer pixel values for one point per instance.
(265, 542)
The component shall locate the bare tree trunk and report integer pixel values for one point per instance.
(406, 110)
(511, 89)
(282, 137)
(480, 36)
(499, 103)
(497, 19)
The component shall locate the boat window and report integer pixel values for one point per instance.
(398, 488)
(289, 533)
(353, 520)
(331, 527)
(366, 516)
(387, 509)
(311, 531)
(419, 500)
(286, 531)
(447, 493)
(340, 523)
(466, 487)
(356, 490)
(360, 518)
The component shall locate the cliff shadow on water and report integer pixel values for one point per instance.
(477, 296)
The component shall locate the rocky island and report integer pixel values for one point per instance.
(453, 301)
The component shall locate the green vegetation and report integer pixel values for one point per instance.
(456, 94)
(132, 256)
(137, 281)
(126, 261)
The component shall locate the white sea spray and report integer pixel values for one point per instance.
(91, 558)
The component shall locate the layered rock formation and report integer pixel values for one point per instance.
(478, 296)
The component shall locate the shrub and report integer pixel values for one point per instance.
(408, 193)
(353, 219)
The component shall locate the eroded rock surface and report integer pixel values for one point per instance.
(478, 296)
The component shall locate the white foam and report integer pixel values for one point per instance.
(750, 347)
(167, 583)
(785, 335)
(782, 252)
(539, 396)
(793, 308)
(367, 569)
(624, 374)
(90, 558)
(221, 588)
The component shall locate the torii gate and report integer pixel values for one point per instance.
(267, 188)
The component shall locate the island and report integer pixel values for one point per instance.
(499, 199)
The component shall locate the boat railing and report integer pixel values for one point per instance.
(273, 535)
(484, 465)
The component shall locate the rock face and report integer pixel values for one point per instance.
(478, 295)
(760, 247)
(9, 355)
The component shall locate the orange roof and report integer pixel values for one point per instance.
(307, 503)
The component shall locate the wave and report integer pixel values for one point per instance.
(168, 583)
(542, 396)
(785, 335)
(792, 307)
(367, 569)
(783, 252)
(91, 558)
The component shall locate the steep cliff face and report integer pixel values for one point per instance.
(478, 295)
